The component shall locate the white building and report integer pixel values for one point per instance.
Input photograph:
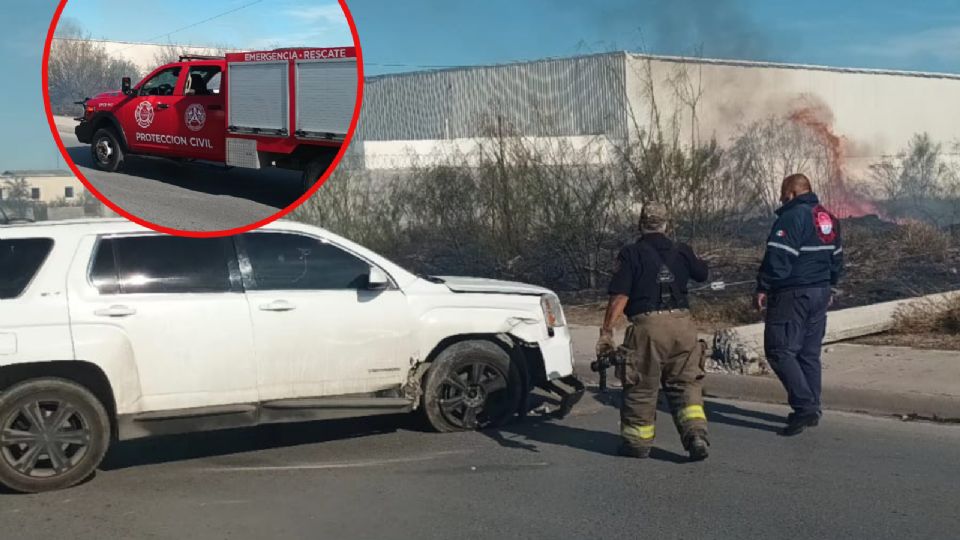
(43, 186)
(604, 99)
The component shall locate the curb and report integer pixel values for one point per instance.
(942, 408)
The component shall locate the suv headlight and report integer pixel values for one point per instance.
(552, 312)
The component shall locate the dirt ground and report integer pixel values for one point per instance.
(941, 342)
(884, 261)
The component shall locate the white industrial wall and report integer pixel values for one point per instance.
(875, 113)
(606, 97)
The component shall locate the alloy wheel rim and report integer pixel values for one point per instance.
(474, 395)
(44, 438)
(104, 150)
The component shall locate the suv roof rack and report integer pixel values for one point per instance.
(187, 57)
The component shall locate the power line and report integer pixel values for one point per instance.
(198, 23)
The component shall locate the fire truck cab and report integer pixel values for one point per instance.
(286, 108)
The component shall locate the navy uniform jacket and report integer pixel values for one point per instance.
(804, 248)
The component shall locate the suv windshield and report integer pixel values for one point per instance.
(20, 259)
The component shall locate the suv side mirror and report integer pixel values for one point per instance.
(125, 86)
(378, 280)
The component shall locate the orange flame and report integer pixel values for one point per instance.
(835, 190)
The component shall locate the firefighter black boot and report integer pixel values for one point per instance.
(697, 444)
(628, 450)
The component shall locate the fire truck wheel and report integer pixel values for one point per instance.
(313, 172)
(106, 150)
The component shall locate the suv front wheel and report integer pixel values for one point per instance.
(471, 385)
(53, 435)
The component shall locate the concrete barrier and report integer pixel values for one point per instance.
(740, 349)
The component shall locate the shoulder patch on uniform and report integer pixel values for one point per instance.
(825, 224)
(780, 233)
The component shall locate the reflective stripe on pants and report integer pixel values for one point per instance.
(693, 412)
(638, 433)
(664, 355)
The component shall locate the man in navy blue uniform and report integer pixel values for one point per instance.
(803, 262)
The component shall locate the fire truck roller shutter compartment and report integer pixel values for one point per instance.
(258, 99)
(323, 87)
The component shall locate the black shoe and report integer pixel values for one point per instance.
(796, 423)
(816, 421)
(697, 447)
(629, 450)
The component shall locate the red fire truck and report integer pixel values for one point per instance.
(286, 108)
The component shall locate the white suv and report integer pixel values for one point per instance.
(110, 331)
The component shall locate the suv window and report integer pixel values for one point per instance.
(282, 261)
(161, 84)
(161, 264)
(20, 260)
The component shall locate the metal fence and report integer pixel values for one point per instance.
(546, 98)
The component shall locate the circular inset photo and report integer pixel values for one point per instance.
(203, 119)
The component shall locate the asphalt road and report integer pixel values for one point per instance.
(188, 196)
(852, 477)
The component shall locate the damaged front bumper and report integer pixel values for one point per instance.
(569, 389)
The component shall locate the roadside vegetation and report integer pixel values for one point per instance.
(80, 68)
(927, 317)
(924, 325)
(556, 215)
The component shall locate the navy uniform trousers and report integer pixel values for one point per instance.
(795, 325)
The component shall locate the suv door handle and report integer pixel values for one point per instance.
(278, 305)
(162, 105)
(115, 311)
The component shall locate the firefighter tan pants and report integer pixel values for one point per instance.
(663, 350)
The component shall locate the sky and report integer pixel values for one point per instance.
(421, 34)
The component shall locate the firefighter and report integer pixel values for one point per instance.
(649, 286)
(802, 264)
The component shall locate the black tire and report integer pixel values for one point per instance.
(471, 385)
(314, 170)
(28, 412)
(106, 150)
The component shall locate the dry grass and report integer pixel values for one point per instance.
(940, 342)
(917, 239)
(733, 310)
(929, 317)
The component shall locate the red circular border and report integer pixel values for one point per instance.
(202, 234)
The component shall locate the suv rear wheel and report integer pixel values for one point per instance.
(471, 385)
(106, 151)
(53, 435)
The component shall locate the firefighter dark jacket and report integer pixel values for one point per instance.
(638, 265)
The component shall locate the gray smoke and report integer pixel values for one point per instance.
(711, 28)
